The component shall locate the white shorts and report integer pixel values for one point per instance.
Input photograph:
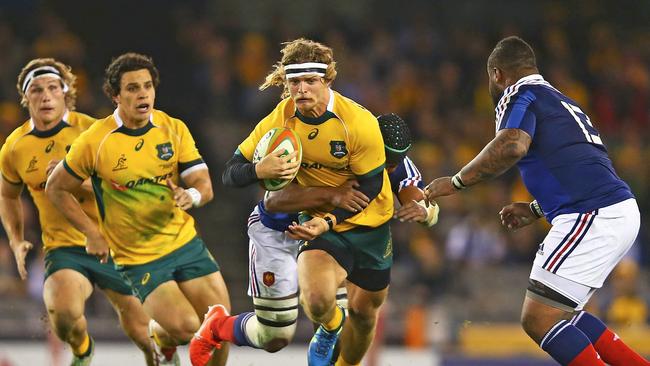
(272, 256)
(581, 250)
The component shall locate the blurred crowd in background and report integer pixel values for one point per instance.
(421, 59)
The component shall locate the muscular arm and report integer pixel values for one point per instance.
(294, 198)
(504, 151)
(239, 172)
(200, 180)
(59, 188)
(410, 193)
(11, 210)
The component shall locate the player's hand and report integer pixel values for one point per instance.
(182, 198)
(20, 249)
(50, 166)
(517, 215)
(439, 187)
(412, 212)
(308, 230)
(348, 197)
(276, 166)
(96, 245)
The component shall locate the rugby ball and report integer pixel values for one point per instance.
(279, 138)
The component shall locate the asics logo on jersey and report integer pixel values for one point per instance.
(312, 135)
(49, 147)
(32, 165)
(67, 148)
(138, 146)
(165, 151)
(337, 149)
(121, 163)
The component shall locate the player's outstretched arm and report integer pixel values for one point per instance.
(198, 193)
(519, 214)
(503, 152)
(11, 211)
(414, 208)
(294, 198)
(59, 188)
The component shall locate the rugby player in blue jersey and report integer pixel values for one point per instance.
(565, 166)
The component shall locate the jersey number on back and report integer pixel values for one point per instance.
(584, 122)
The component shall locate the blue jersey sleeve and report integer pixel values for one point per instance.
(406, 174)
(516, 113)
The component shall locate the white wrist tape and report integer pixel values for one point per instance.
(195, 195)
(432, 213)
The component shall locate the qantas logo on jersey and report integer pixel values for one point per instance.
(315, 165)
(165, 151)
(158, 179)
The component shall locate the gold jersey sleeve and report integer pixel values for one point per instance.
(277, 118)
(129, 169)
(23, 160)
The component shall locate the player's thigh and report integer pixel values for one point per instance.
(168, 306)
(365, 302)
(205, 291)
(65, 293)
(129, 308)
(272, 268)
(319, 274)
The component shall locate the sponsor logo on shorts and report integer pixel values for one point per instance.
(145, 278)
(268, 278)
(389, 248)
(540, 250)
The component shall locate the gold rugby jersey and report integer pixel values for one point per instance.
(344, 143)
(129, 169)
(23, 160)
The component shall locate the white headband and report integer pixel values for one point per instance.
(307, 68)
(43, 71)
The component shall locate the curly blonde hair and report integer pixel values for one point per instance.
(299, 51)
(66, 74)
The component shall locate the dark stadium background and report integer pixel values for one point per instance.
(457, 288)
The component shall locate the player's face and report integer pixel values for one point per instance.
(310, 93)
(494, 75)
(136, 97)
(46, 101)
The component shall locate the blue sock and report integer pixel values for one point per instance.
(564, 342)
(240, 329)
(591, 326)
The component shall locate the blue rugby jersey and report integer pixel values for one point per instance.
(405, 174)
(567, 168)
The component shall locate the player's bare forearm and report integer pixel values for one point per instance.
(294, 198)
(58, 189)
(410, 193)
(11, 212)
(200, 180)
(503, 152)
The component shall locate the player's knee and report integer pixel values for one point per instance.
(317, 304)
(184, 328)
(532, 325)
(276, 322)
(64, 320)
(363, 317)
